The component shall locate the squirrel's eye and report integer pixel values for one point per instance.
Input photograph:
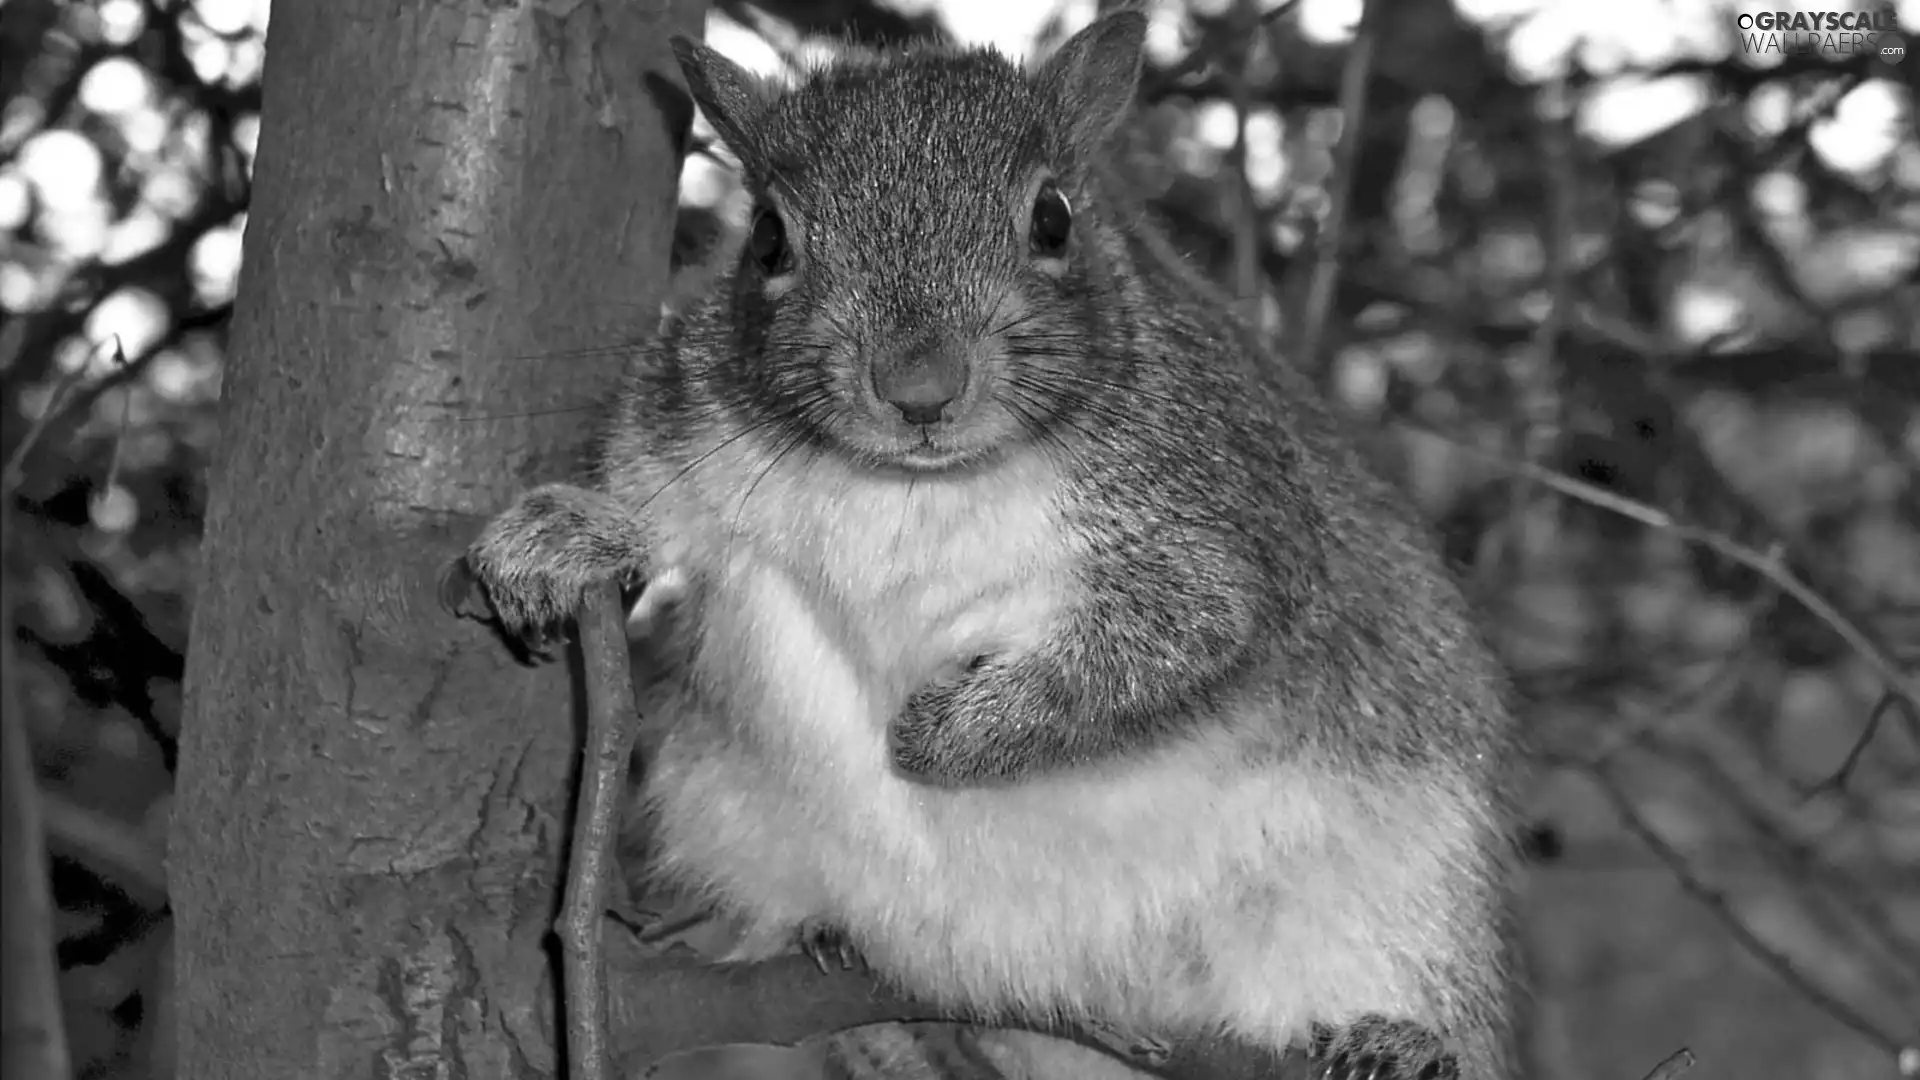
(1052, 221)
(768, 242)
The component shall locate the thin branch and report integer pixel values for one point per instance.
(1881, 708)
(126, 420)
(607, 745)
(1690, 701)
(1723, 910)
(35, 1041)
(1198, 58)
(63, 388)
(1540, 405)
(108, 846)
(1326, 254)
(1768, 565)
(1246, 233)
(1830, 886)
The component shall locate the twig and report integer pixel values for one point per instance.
(1735, 191)
(1326, 248)
(1197, 58)
(1887, 703)
(70, 396)
(606, 746)
(11, 474)
(1693, 700)
(108, 846)
(126, 419)
(1830, 887)
(1722, 909)
(1768, 566)
(1534, 372)
(35, 1041)
(1246, 234)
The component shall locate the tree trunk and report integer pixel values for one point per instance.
(454, 202)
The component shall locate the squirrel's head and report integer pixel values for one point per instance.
(918, 278)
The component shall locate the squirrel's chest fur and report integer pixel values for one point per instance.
(828, 595)
(825, 598)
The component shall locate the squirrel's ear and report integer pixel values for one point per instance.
(732, 98)
(1090, 79)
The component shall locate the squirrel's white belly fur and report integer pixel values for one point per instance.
(1101, 892)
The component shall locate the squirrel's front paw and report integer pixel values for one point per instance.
(1380, 1048)
(972, 730)
(530, 614)
(530, 568)
(922, 738)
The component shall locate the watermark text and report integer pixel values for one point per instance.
(1838, 35)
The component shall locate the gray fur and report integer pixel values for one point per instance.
(1238, 574)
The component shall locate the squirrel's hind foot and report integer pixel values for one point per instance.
(829, 947)
(1131, 1046)
(665, 921)
(1380, 1048)
(668, 922)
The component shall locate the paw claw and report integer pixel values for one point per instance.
(828, 947)
(534, 617)
(666, 923)
(1133, 1046)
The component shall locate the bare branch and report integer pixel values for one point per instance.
(1887, 703)
(1353, 107)
(1690, 701)
(35, 1043)
(1723, 910)
(57, 405)
(1769, 565)
(1829, 887)
(107, 846)
(1198, 58)
(612, 722)
(1247, 238)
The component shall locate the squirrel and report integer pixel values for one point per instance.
(1034, 635)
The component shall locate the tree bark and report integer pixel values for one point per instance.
(459, 208)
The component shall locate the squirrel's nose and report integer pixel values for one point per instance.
(922, 383)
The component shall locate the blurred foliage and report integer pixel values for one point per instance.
(1619, 250)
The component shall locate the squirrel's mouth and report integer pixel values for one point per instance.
(965, 431)
(931, 458)
(934, 448)
(930, 449)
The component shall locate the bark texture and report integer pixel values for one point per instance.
(458, 207)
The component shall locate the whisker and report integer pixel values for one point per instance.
(792, 442)
(760, 425)
(1078, 378)
(1026, 411)
(906, 509)
(476, 417)
(1045, 393)
(589, 352)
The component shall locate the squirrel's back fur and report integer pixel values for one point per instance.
(1301, 815)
